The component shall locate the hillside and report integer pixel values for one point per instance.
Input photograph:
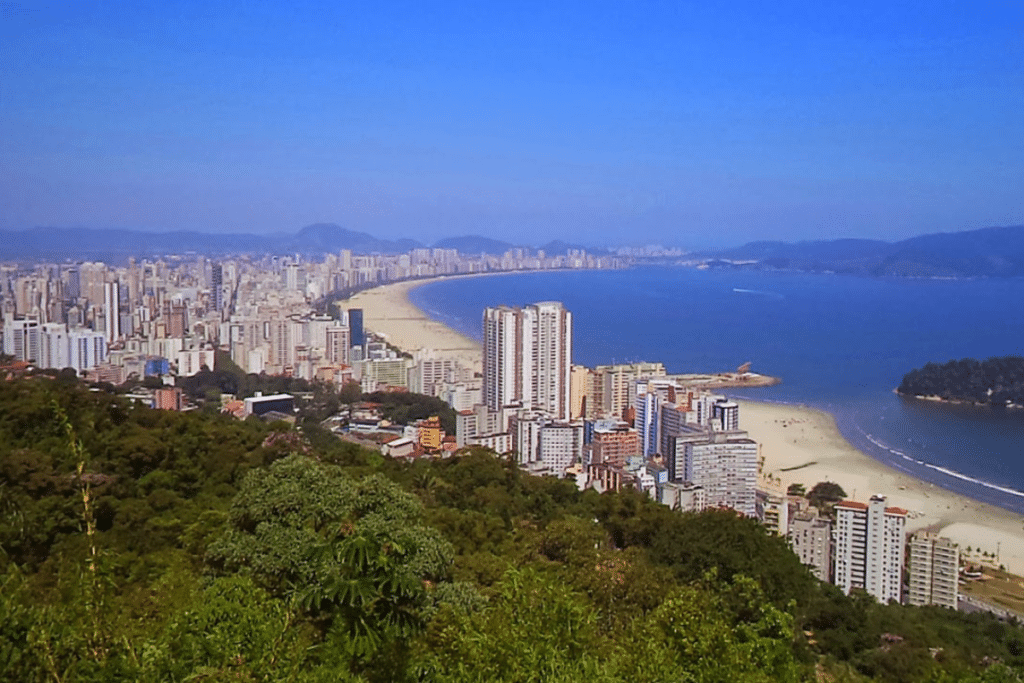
(987, 252)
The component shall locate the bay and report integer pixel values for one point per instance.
(839, 343)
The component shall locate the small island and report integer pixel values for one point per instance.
(997, 382)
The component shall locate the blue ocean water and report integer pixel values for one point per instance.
(839, 343)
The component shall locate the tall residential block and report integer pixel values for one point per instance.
(869, 547)
(932, 571)
(217, 287)
(527, 358)
(810, 537)
(615, 445)
(724, 464)
(608, 393)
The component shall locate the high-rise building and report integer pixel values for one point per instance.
(22, 338)
(74, 288)
(810, 537)
(615, 445)
(932, 571)
(728, 412)
(337, 344)
(609, 391)
(527, 358)
(355, 325)
(217, 287)
(112, 311)
(724, 464)
(869, 547)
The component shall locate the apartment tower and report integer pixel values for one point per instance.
(932, 571)
(527, 358)
(869, 547)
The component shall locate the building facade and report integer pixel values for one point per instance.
(933, 566)
(527, 358)
(810, 537)
(869, 548)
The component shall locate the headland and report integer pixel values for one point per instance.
(798, 444)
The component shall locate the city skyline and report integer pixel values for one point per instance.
(693, 127)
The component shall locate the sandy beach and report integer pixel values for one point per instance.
(802, 445)
(798, 445)
(388, 312)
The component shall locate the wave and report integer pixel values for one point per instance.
(758, 292)
(939, 468)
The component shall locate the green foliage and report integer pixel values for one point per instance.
(401, 407)
(222, 555)
(825, 492)
(232, 630)
(694, 636)
(533, 629)
(351, 552)
(694, 544)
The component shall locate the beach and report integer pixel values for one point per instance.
(803, 445)
(798, 444)
(388, 312)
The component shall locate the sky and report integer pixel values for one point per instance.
(603, 123)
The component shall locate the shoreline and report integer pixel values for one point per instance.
(797, 444)
(931, 398)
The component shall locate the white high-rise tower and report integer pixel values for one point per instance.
(528, 357)
(869, 547)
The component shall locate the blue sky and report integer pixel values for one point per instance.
(692, 124)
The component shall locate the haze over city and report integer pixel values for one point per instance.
(597, 122)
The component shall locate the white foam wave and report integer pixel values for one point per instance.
(774, 295)
(944, 470)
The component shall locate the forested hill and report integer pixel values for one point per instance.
(996, 381)
(141, 545)
(988, 252)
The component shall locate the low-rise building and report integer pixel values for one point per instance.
(259, 404)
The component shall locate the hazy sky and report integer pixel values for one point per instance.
(685, 123)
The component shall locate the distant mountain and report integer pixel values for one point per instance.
(474, 244)
(988, 252)
(326, 237)
(60, 244)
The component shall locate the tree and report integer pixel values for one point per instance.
(796, 490)
(350, 394)
(353, 553)
(534, 629)
(825, 492)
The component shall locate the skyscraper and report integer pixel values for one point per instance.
(355, 326)
(869, 547)
(112, 311)
(528, 357)
(217, 287)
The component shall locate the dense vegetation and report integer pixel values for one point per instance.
(401, 407)
(996, 381)
(155, 546)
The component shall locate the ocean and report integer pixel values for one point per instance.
(839, 343)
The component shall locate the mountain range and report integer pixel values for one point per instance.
(987, 252)
(75, 244)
